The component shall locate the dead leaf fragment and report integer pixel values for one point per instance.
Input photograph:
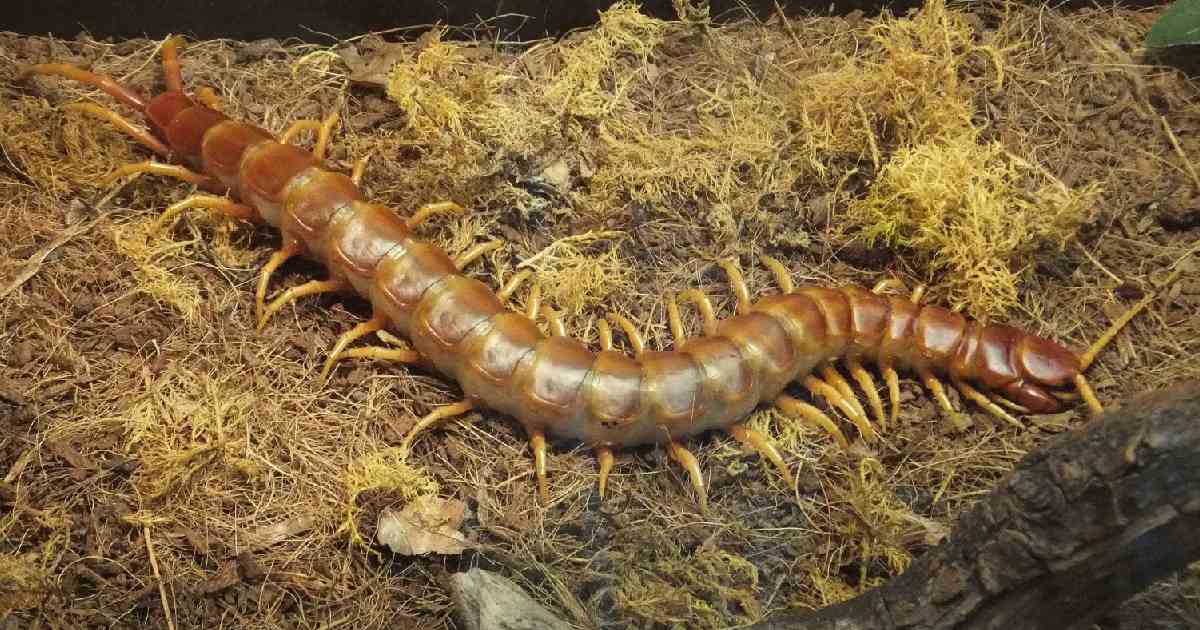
(428, 524)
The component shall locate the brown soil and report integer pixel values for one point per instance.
(157, 448)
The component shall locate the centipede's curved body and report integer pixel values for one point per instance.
(556, 385)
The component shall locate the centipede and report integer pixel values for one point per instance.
(559, 389)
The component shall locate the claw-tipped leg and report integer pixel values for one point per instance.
(432, 418)
(604, 455)
(931, 382)
(430, 209)
(835, 399)
(986, 403)
(537, 441)
(763, 445)
(142, 136)
(1089, 396)
(312, 287)
(157, 168)
(803, 411)
(264, 276)
(867, 384)
(224, 205)
(893, 384)
(377, 322)
(689, 462)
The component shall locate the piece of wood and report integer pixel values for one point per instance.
(484, 600)
(1082, 524)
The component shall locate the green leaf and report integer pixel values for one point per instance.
(1179, 25)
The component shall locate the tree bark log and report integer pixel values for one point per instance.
(1081, 524)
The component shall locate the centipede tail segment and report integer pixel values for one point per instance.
(553, 384)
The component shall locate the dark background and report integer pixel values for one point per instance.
(317, 20)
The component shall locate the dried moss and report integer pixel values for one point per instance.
(710, 588)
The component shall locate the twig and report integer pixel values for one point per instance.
(34, 264)
(1179, 151)
(162, 588)
(586, 236)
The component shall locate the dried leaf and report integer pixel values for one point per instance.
(428, 524)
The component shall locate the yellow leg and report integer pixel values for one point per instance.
(360, 167)
(918, 292)
(803, 411)
(264, 277)
(1089, 396)
(157, 168)
(689, 462)
(377, 322)
(141, 135)
(430, 209)
(764, 446)
(513, 284)
(534, 306)
(474, 253)
(835, 399)
(432, 418)
(554, 319)
(170, 59)
(835, 378)
(224, 205)
(935, 386)
(704, 305)
(986, 403)
(1119, 323)
(380, 353)
(782, 277)
(323, 134)
(312, 287)
(75, 73)
(537, 440)
(867, 384)
(739, 285)
(604, 455)
(889, 284)
(209, 98)
(631, 331)
(893, 384)
(674, 320)
(605, 335)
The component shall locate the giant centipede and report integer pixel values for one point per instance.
(553, 384)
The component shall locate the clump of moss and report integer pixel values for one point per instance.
(710, 588)
(384, 471)
(974, 212)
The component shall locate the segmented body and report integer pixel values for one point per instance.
(556, 384)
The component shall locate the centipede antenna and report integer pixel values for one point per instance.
(475, 252)
(224, 205)
(513, 284)
(377, 322)
(688, 461)
(834, 398)
(124, 126)
(867, 384)
(782, 278)
(738, 282)
(264, 276)
(764, 446)
(312, 287)
(1086, 359)
(801, 410)
(705, 306)
(157, 168)
(432, 418)
(123, 94)
(430, 209)
(1089, 396)
(537, 440)
(604, 456)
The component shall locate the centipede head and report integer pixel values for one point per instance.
(1046, 368)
